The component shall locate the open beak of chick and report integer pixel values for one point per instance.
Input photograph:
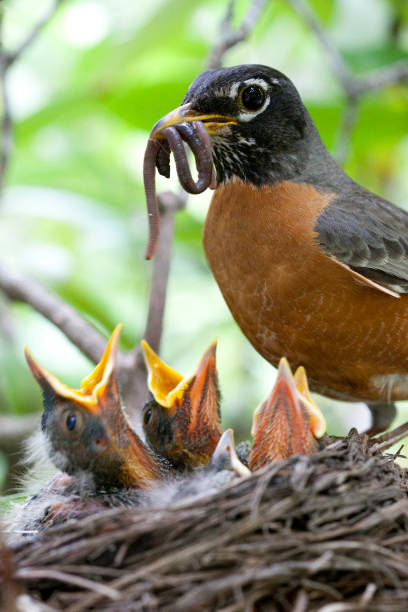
(288, 422)
(87, 429)
(187, 409)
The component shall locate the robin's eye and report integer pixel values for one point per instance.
(252, 97)
(147, 416)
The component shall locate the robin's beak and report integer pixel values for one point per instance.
(212, 121)
(92, 387)
(225, 456)
(281, 425)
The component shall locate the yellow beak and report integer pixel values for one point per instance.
(92, 387)
(316, 419)
(212, 121)
(166, 384)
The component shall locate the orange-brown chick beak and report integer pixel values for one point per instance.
(182, 422)
(287, 422)
(87, 430)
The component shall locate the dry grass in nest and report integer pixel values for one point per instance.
(325, 532)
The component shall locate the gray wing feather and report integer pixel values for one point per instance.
(368, 234)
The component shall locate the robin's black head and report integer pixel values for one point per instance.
(264, 140)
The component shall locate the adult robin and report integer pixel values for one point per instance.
(312, 265)
(87, 431)
(182, 420)
(288, 422)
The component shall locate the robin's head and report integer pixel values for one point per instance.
(288, 422)
(87, 430)
(182, 418)
(256, 120)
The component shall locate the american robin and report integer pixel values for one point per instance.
(87, 431)
(312, 265)
(288, 422)
(182, 420)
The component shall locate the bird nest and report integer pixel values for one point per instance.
(298, 535)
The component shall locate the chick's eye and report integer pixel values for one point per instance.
(147, 416)
(71, 421)
(252, 97)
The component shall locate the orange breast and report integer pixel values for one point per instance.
(290, 299)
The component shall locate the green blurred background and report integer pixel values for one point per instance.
(84, 97)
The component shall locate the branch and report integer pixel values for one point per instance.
(230, 36)
(12, 56)
(131, 370)
(347, 125)
(169, 203)
(389, 438)
(376, 79)
(21, 289)
(339, 66)
(6, 321)
(354, 87)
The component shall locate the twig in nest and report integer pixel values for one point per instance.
(381, 443)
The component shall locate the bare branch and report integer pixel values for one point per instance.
(6, 321)
(347, 125)
(354, 87)
(6, 125)
(230, 36)
(339, 66)
(11, 57)
(21, 289)
(169, 203)
(131, 369)
(376, 79)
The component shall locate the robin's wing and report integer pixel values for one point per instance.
(368, 234)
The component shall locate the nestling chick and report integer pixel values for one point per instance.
(182, 420)
(87, 431)
(288, 422)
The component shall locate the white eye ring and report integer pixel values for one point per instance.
(248, 115)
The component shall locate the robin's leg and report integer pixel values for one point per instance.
(382, 415)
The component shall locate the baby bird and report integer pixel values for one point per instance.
(182, 419)
(288, 422)
(87, 431)
(223, 469)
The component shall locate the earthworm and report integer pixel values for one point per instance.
(163, 159)
(151, 199)
(158, 155)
